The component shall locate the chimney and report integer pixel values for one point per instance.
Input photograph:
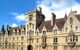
(53, 18)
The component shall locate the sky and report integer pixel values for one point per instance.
(12, 12)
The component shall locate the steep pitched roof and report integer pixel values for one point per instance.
(78, 16)
(47, 24)
(59, 22)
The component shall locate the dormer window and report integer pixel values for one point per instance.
(71, 20)
(55, 31)
(44, 32)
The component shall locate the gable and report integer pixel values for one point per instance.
(55, 27)
(75, 21)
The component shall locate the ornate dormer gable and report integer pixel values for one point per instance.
(44, 29)
(37, 30)
(72, 23)
(55, 27)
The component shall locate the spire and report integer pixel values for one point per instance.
(65, 16)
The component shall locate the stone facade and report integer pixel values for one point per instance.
(38, 34)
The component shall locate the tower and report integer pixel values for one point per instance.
(33, 21)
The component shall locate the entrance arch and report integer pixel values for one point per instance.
(29, 47)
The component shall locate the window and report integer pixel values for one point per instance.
(21, 48)
(55, 39)
(44, 32)
(13, 38)
(3, 39)
(76, 28)
(76, 38)
(37, 40)
(30, 24)
(65, 48)
(30, 17)
(66, 29)
(33, 25)
(21, 43)
(30, 32)
(17, 48)
(66, 39)
(17, 38)
(37, 33)
(22, 38)
(77, 48)
(13, 45)
(71, 20)
(71, 26)
(55, 31)
(71, 38)
(55, 48)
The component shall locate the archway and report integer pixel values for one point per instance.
(29, 47)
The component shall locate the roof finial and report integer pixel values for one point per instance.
(65, 16)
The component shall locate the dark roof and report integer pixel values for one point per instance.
(59, 22)
(47, 24)
(78, 16)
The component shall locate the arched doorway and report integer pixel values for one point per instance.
(29, 47)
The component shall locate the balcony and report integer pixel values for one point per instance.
(71, 39)
(71, 44)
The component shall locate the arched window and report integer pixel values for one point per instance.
(71, 20)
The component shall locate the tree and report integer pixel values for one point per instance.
(3, 29)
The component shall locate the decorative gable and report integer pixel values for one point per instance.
(71, 23)
(55, 27)
(44, 29)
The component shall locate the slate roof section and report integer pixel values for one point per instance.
(59, 22)
(78, 16)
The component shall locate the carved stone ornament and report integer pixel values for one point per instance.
(44, 41)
